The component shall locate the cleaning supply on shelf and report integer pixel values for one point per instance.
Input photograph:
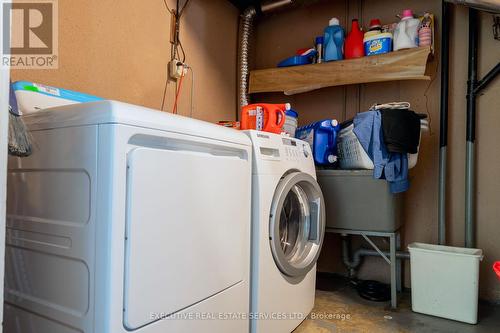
(319, 49)
(263, 117)
(304, 57)
(354, 42)
(375, 25)
(406, 32)
(425, 30)
(377, 43)
(333, 41)
(32, 97)
(322, 137)
(291, 121)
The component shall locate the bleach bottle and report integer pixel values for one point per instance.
(406, 32)
(334, 41)
(322, 137)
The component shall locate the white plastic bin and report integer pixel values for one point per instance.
(444, 281)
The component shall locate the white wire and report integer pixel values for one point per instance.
(192, 92)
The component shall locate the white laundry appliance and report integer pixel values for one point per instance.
(127, 219)
(288, 223)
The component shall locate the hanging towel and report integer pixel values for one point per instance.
(390, 166)
(401, 130)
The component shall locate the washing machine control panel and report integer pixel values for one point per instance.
(295, 150)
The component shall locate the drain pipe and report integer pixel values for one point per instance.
(474, 89)
(353, 264)
(245, 31)
(470, 234)
(443, 132)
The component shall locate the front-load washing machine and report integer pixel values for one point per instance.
(288, 222)
(127, 219)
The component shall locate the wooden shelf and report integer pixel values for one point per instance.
(400, 65)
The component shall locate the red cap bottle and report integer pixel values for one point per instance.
(354, 42)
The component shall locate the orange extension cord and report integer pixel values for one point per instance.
(174, 110)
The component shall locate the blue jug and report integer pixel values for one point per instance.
(322, 137)
(334, 41)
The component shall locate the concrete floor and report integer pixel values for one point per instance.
(339, 309)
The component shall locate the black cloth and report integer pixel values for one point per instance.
(401, 130)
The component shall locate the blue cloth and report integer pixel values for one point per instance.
(391, 166)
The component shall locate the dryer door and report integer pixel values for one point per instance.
(297, 224)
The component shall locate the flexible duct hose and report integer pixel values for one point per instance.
(245, 31)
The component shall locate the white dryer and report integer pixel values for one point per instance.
(288, 222)
(128, 219)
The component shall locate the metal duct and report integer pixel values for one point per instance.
(486, 5)
(245, 32)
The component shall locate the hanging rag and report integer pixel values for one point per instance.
(401, 130)
(390, 166)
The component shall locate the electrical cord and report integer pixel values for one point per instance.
(174, 110)
(175, 54)
(192, 92)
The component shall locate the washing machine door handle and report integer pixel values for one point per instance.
(297, 224)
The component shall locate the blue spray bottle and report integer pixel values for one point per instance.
(334, 41)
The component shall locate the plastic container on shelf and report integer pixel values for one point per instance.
(406, 32)
(322, 137)
(377, 43)
(333, 41)
(444, 281)
(319, 49)
(291, 122)
(352, 155)
(354, 42)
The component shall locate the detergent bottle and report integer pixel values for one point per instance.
(264, 117)
(322, 137)
(406, 32)
(354, 42)
(333, 41)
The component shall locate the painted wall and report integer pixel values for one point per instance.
(277, 38)
(120, 50)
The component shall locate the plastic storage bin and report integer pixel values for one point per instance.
(444, 281)
(352, 155)
(356, 201)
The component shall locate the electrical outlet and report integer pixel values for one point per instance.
(175, 69)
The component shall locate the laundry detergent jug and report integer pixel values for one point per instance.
(334, 41)
(406, 32)
(264, 117)
(322, 137)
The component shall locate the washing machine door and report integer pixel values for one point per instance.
(297, 224)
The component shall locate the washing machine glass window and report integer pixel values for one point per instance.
(297, 224)
(294, 224)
